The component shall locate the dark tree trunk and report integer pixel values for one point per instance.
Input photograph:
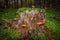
(21, 3)
(6, 3)
(37, 3)
(17, 3)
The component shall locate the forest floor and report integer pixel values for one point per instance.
(52, 24)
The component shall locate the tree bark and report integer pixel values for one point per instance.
(37, 3)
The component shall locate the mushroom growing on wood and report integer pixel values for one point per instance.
(39, 22)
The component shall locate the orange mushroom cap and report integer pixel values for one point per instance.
(24, 25)
(39, 22)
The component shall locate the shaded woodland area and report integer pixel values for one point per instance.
(28, 3)
(29, 19)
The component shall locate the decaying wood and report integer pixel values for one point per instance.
(26, 24)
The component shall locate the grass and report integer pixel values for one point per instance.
(9, 34)
(51, 23)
